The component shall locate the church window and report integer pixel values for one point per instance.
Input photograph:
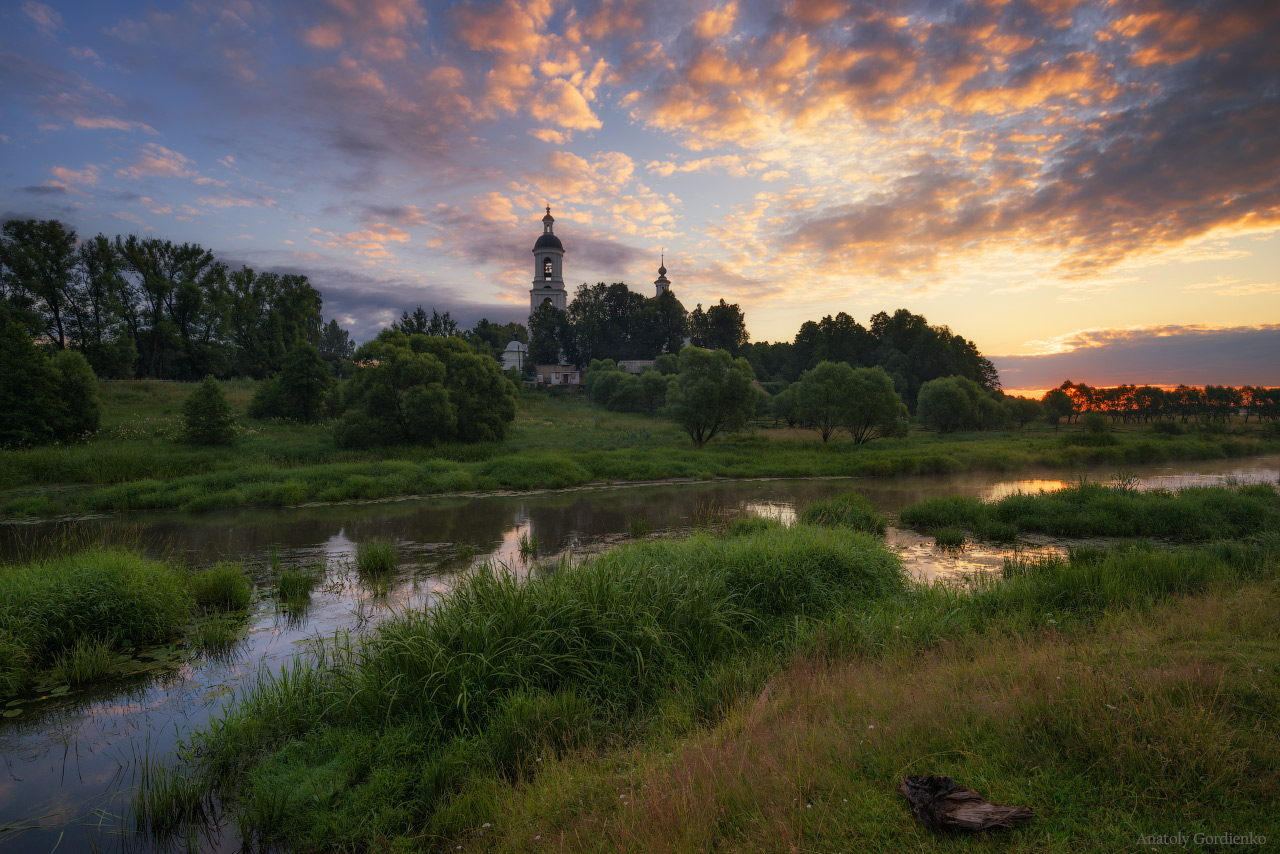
(546, 268)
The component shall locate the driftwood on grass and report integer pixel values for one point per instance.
(943, 804)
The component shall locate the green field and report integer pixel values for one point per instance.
(136, 461)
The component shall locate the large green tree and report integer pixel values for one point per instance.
(711, 394)
(945, 406)
(822, 397)
(424, 389)
(875, 409)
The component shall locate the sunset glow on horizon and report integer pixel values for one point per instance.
(1087, 190)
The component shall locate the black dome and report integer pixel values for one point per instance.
(548, 241)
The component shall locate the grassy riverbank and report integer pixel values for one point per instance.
(405, 733)
(136, 461)
(766, 687)
(1099, 510)
(92, 615)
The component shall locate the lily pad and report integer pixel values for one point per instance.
(12, 703)
(13, 713)
(61, 689)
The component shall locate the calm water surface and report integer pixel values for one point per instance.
(70, 762)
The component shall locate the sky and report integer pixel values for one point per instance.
(1087, 190)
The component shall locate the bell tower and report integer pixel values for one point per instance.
(662, 283)
(548, 268)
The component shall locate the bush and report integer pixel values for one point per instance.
(299, 393)
(42, 399)
(1095, 423)
(423, 389)
(206, 416)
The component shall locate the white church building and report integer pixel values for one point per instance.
(548, 270)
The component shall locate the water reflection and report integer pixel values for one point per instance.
(70, 762)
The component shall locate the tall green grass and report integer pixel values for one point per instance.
(72, 605)
(1090, 509)
(222, 587)
(79, 617)
(377, 737)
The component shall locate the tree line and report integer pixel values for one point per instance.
(1140, 404)
(146, 307)
(910, 350)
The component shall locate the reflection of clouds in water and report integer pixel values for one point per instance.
(924, 561)
(338, 548)
(778, 511)
(1003, 490)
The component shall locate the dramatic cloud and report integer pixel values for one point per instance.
(1013, 168)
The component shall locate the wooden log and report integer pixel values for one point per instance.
(943, 804)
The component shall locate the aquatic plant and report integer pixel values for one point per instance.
(222, 587)
(377, 556)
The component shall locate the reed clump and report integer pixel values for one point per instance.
(81, 617)
(295, 585)
(850, 510)
(222, 587)
(377, 557)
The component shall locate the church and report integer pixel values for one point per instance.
(548, 287)
(548, 269)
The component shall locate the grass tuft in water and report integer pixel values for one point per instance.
(222, 587)
(639, 527)
(295, 585)
(949, 539)
(88, 660)
(377, 557)
(850, 510)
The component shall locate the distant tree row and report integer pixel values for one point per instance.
(1139, 404)
(911, 351)
(146, 307)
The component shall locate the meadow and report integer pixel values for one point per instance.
(762, 687)
(136, 462)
